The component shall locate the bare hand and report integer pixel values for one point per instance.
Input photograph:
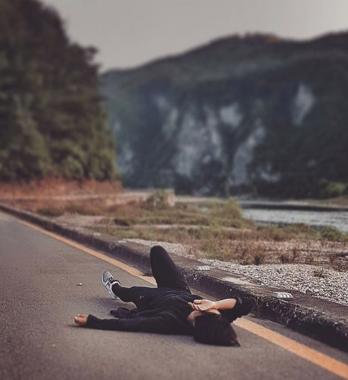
(81, 319)
(203, 305)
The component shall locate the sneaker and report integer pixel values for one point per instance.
(108, 281)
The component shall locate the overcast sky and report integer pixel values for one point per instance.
(130, 32)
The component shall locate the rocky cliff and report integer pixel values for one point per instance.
(253, 113)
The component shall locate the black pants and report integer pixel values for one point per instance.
(165, 272)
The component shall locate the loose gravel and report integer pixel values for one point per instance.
(309, 279)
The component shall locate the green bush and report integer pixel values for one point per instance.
(71, 168)
(329, 189)
(332, 234)
(159, 200)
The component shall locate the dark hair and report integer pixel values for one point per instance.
(214, 329)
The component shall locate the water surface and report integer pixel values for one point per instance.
(338, 219)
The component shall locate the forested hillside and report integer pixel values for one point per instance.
(242, 114)
(51, 120)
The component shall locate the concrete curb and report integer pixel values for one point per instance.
(323, 320)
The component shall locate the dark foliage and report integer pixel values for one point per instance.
(51, 119)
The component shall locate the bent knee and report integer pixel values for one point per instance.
(157, 250)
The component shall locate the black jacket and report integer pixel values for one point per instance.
(159, 310)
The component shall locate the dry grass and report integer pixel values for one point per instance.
(212, 229)
(55, 187)
(240, 246)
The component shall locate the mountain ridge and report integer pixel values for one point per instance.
(245, 97)
(220, 40)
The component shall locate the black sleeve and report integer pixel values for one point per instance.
(122, 312)
(159, 324)
(228, 314)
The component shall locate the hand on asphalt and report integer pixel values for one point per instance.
(81, 319)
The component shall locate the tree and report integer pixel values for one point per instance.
(51, 119)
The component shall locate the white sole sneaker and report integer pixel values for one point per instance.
(108, 281)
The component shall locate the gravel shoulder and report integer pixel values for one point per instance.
(316, 278)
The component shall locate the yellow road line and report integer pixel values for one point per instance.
(299, 349)
(102, 256)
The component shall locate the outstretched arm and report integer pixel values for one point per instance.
(159, 324)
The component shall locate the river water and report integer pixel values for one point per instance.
(338, 219)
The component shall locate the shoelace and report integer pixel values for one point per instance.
(110, 281)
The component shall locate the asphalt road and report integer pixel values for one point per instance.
(39, 296)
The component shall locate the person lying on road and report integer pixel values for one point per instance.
(170, 308)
